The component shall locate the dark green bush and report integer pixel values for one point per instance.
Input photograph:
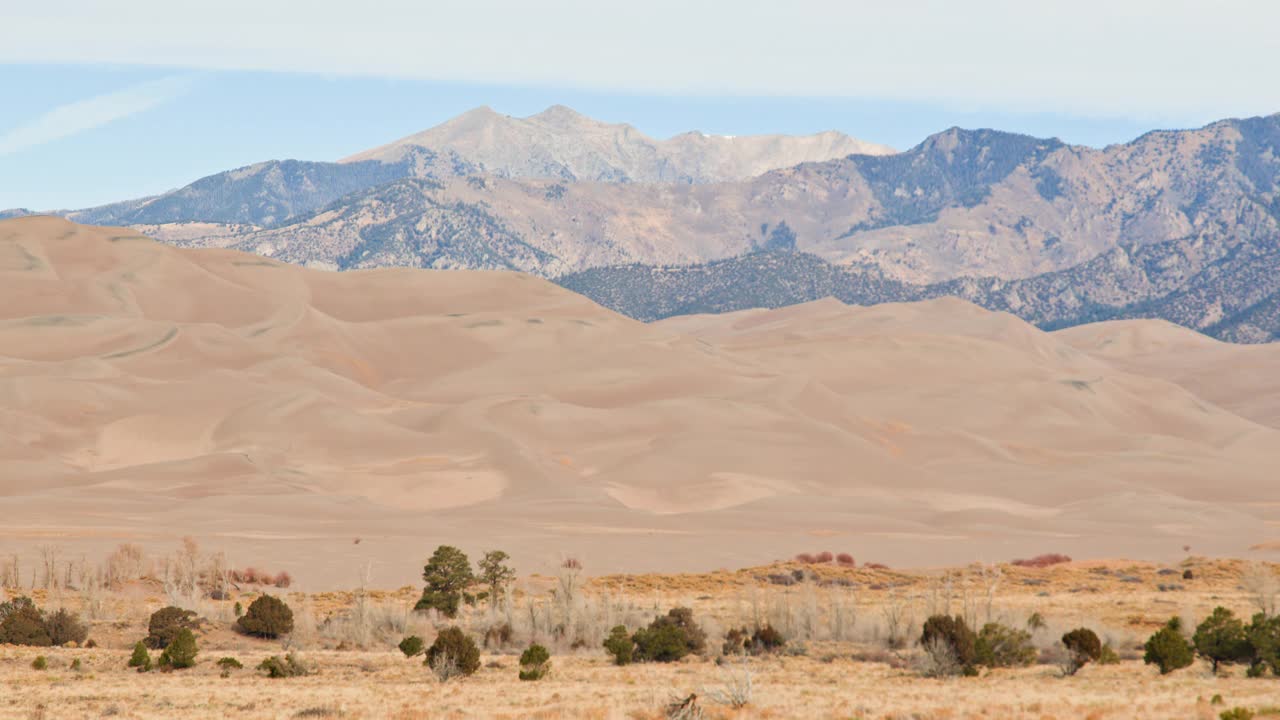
(267, 617)
(181, 652)
(453, 652)
(227, 664)
(1236, 713)
(286, 667)
(950, 644)
(40, 663)
(24, 625)
(669, 637)
(1221, 639)
(165, 624)
(140, 659)
(1083, 647)
(447, 576)
(1002, 646)
(65, 627)
(412, 646)
(1167, 649)
(1263, 635)
(535, 663)
(620, 645)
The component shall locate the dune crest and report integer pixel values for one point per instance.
(151, 392)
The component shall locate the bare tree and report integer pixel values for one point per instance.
(1263, 587)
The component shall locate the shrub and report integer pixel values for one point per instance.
(1001, 646)
(65, 627)
(763, 641)
(535, 663)
(1083, 647)
(496, 574)
(227, 664)
(453, 647)
(24, 625)
(497, 635)
(669, 637)
(952, 637)
(1236, 713)
(238, 610)
(267, 617)
(1042, 561)
(181, 652)
(1221, 639)
(620, 645)
(845, 560)
(165, 624)
(10, 607)
(286, 667)
(40, 663)
(447, 576)
(1167, 649)
(412, 646)
(1108, 656)
(1263, 635)
(875, 566)
(140, 659)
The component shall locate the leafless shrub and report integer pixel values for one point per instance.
(445, 667)
(1262, 586)
(735, 690)
(685, 708)
(125, 564)
(938, 660)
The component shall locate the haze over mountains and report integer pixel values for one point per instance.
(151, 391)
(1178, 225)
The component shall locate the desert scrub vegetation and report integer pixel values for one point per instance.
(140, 659)
(535, 663)
(412, 646)
(669, 638)
(763, 641)
(453, 654)
(287, 667)
(1083, 647)
(1167, 649)
(22, 623)
(165, 624)
(266, 617)
(181, 651)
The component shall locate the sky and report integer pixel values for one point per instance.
(108, 101)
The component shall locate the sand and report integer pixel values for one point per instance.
(280, 413)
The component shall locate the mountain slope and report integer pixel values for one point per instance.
(256, 404)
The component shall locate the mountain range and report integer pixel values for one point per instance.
(1182, 225)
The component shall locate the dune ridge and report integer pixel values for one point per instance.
(150, 392)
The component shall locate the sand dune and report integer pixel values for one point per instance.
(149, 392)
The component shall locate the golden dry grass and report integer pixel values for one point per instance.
(1120, 599)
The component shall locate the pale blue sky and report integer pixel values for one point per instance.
(106, 101)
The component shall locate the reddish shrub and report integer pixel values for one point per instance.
(805, 558)
(845, 560)
(824, 557)
(282, 579)
(875, 566)
(1042, 561)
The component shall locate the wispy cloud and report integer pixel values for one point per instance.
(81, 115)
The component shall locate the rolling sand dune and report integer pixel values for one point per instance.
(148, 392)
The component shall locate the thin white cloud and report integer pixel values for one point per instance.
(81, 115)
(1103, 57)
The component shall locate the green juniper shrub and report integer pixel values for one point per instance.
(950, 644)
(1001, 646)
(620, 645)
(165, 624)
(453, 652)
(140, 659)
(412, 646)
(1168, 649)
(24, 625)
(447, 576)
(267, 617)
(1263, 635)
(65, 627)
(669, 637)
(764, 641)
(227, 664)
(535, 663)
(1236, 713)
(181, 652)
(40, 663)
(1221, 639)
(238, 609)
(286, 667)
(1083, 647)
